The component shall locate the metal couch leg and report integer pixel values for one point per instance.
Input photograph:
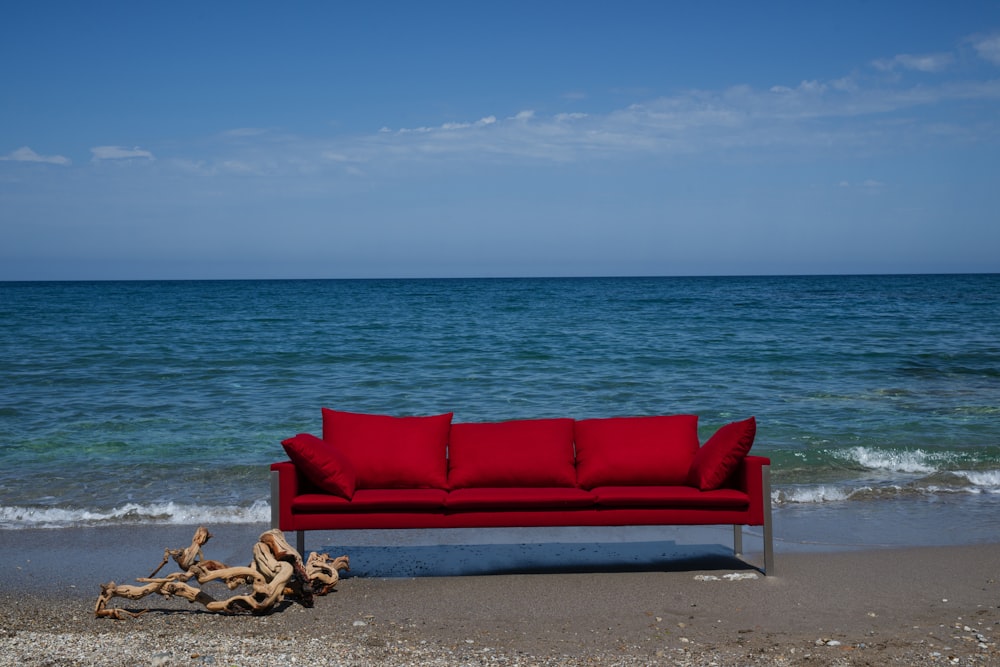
(300, 542)
(768, 568)
(768, 528)
(275, 495)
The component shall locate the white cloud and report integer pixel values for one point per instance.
(25, 154)
(449, 126)
(931, 62)
(812, 87)
(840, 115)
(854, 114)
(846, 85)
(119, 153)
(988, 48)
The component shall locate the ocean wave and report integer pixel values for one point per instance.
(810, 494)
(984, 478)
(132, 513)
(894, 460)
(935, 484)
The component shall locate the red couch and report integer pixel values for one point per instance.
(375, 472)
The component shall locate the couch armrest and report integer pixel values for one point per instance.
(749, 478)
(284, 488)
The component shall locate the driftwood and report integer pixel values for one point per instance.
(277, 572)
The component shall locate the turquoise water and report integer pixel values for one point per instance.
(165, 401)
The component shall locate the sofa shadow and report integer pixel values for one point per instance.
(547, 558)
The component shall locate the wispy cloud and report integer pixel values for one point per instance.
(931, 62)
(835, 114)
(988, 47)
(451, 125)
(861, 113)
(839, 117)
(25, 154)
(119, 153)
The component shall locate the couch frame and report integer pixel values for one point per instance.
(283, 519)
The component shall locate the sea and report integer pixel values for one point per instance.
(877, 397)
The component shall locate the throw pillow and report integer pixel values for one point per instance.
(519, 453)
(322, 464)
(392, 452)
(635, 451)
(722, 454)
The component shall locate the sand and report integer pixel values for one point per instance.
(913, 606)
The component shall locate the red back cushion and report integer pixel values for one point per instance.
(635, 451)
(392, 452)
(722, 454)
(529, 452)
(322, 463)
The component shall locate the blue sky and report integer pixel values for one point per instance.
(437, 139)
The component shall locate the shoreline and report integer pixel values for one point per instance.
(899, 605)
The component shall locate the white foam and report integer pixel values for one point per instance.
(811, 494)
(983, 482)
(916, 461)
(735, 576)
(987, 479)
(133, 513)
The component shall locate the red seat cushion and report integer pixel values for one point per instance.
(668, 496)
(635, 450)
(373, 500)
(722, 454)
(322, 463)
(392, 452)
(528, 452)
(534, 498)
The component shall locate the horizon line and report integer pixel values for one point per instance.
(503, 277)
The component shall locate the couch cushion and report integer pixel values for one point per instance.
(528, 452)
(323, 464)
(722, 454)
(533, 498)
(635, 450)
(668, 496)
(392, 452)
(373, 500)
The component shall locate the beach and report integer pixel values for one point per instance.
(135, 411)
(898, 606)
